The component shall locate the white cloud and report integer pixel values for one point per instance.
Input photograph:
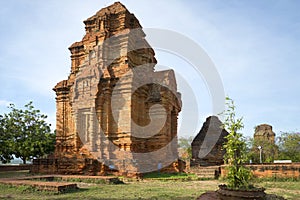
(5, 103)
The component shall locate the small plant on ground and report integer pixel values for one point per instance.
(238, 175)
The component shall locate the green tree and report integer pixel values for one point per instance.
(236, 149)
(5, 143)
(184, 144)
(28, 134)
(269, 150)
(289, 146)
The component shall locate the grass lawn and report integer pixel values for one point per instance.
(146, 189)
(287, 189)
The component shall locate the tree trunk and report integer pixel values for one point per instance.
(24, 160)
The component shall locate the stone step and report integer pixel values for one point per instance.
(205, 172)
(208, 176)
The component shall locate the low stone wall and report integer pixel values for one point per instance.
(4, 168)
(280, 170)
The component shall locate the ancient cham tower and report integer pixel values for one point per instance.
(114, 112)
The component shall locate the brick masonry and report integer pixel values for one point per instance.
(211, 135)
(277, 170)
(114, 107)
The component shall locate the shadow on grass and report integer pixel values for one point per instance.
(14, 174)
(73, 190)
(31, 189)
(152, 198)
(165, 175)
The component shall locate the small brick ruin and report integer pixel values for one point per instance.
(114, 112)
(207, 146)
(264, 132)
(52, 186)
(58, 183)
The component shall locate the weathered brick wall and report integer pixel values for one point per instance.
(70, 165)
(287, 170)
(210, 135)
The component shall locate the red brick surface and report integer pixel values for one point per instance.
(288, 170)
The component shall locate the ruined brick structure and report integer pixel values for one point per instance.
(264, 137)
(112, 100)
(210, 138)
(264, 132)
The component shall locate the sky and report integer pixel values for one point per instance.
(254, 45)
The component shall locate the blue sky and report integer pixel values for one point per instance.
(255, 46)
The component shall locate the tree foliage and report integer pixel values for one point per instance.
(236, 149)
(25, 134)
(289, 146)
(5, 142)
(184, 144)
(269, 150)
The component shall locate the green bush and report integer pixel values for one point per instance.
(238, 175)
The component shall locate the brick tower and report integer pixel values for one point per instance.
(113, 100)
